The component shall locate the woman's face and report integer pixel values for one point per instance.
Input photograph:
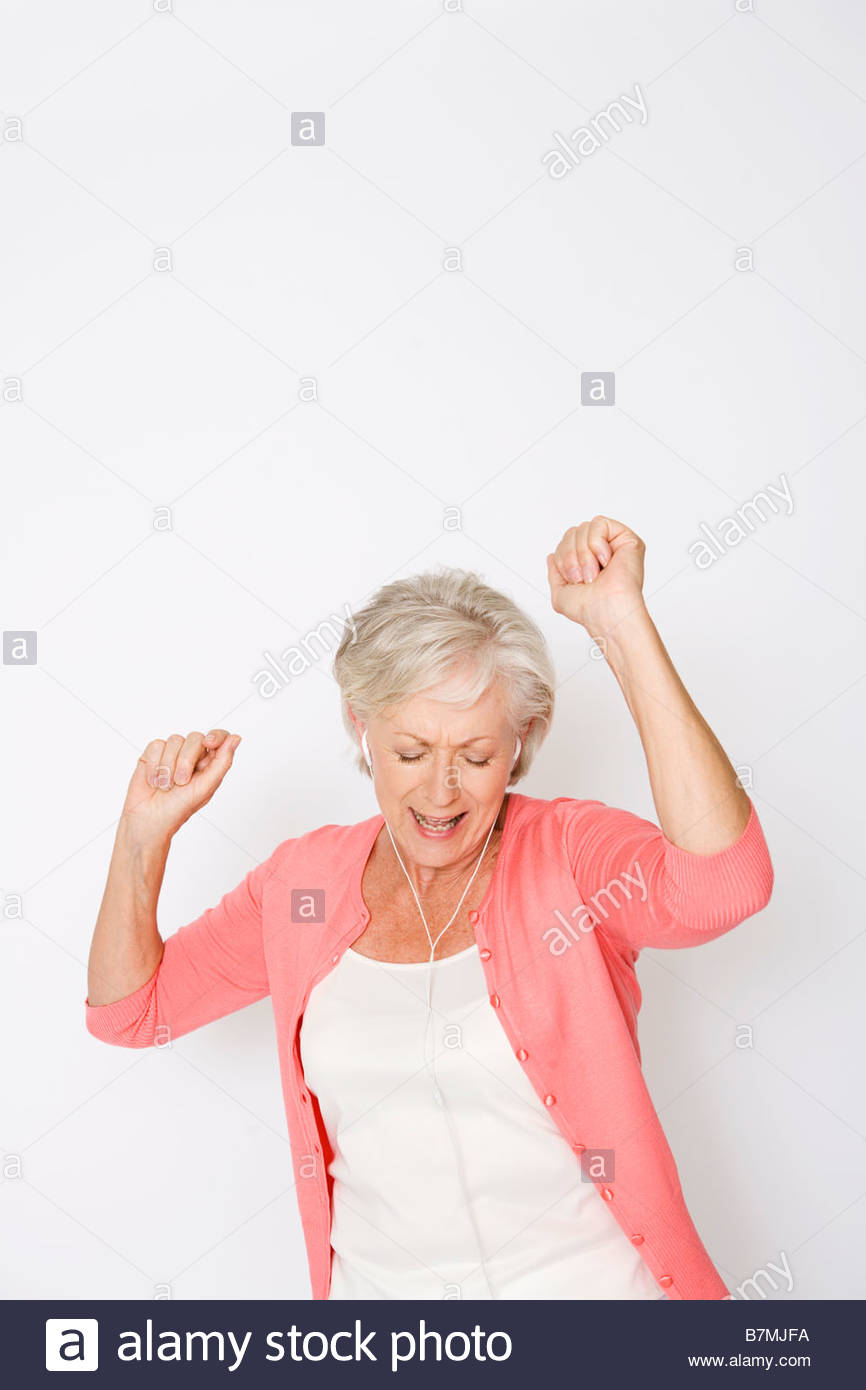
(440, 773)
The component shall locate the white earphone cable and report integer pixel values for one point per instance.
(431, 1061)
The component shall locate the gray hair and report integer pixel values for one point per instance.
(416, 633)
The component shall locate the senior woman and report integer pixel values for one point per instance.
(453, 979)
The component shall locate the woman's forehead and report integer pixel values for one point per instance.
(425, 719)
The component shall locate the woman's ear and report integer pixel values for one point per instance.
(358, 730)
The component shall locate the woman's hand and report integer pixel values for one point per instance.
(596, 579)
(173, 779)
(596, 574)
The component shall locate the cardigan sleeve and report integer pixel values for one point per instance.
(643, 890)
(209, 968)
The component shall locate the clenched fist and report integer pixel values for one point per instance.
(596, 574)
(173, 779)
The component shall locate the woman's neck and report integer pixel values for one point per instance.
(436, 882)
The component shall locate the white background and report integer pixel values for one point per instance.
(145, 389)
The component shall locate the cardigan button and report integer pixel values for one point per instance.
(335, 959)
(636, 1240)
(550, 1100)
(607, 1194)
(485, 953)
(579, 1148)
(473, 916)
(494, 999)
(521, 1054)
(666, 1280)
(304, 1097)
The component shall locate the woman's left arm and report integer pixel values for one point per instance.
(596, 580)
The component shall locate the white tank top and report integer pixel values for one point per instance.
(476, 1195)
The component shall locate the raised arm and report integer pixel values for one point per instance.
(640, 889)
(141, 990)
(596, 580)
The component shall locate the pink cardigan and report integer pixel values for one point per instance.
(577, 890)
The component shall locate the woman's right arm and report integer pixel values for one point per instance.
(127, 947)
(142, 990)
(173, 778)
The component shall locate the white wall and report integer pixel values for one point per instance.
(179, 388)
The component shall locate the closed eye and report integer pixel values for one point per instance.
(474, 762)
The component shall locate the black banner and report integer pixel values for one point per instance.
(260, 1343)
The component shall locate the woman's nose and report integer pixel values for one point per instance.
(443, 785)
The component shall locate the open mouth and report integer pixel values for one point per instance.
(437, 825)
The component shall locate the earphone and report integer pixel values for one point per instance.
(369, 761)
(437, 1093)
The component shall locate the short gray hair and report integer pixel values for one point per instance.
(415, 633)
